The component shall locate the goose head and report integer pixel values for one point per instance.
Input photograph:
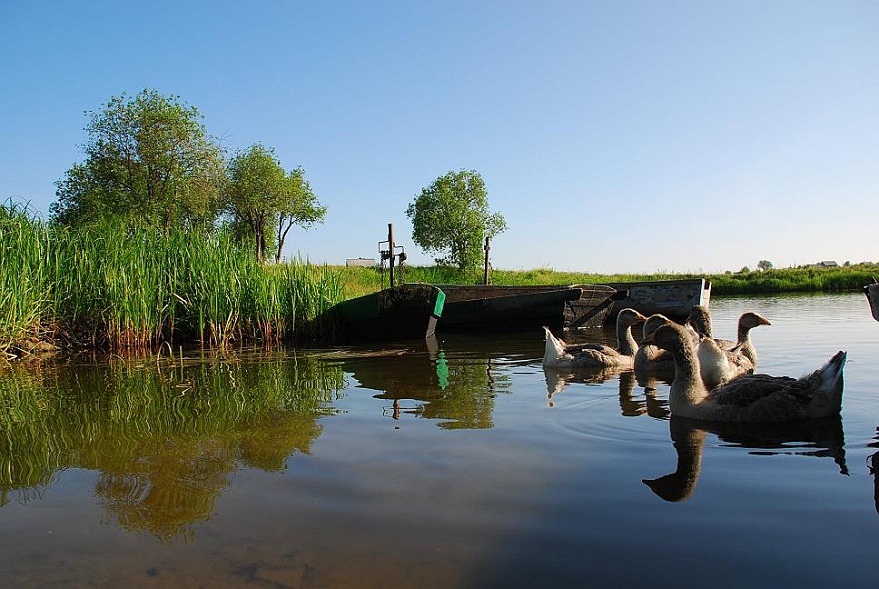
(751, 319)
(653, 322)
(700, 320)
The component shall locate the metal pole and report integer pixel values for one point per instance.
(487, 249)
(391, 250)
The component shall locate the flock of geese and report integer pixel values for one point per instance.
(714, 379)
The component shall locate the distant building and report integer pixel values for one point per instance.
(827, 264)
(364, 262)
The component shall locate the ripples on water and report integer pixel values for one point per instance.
(456, 463)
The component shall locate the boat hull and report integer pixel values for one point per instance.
(672, 298)
(872, 292)
(503, 308)
(408, 311)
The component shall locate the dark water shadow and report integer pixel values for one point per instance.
(820, 438)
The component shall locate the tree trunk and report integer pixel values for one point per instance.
(282, 235)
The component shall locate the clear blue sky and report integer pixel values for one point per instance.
(614, 136)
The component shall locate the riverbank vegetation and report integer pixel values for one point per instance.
(358, 280)
(114, 287)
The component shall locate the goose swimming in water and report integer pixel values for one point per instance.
(700, 320)
(720, 359)
(560, 354)
(651, 361)
(650, 357)
(749, 397)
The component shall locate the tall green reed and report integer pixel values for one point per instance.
(24, 252)
(127, 288)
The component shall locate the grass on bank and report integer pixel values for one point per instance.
(359, 280)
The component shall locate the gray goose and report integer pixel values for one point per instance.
(749, 397)
(557, 353)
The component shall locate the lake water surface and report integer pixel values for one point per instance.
(455, 463)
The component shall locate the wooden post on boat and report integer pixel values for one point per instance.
(485, 273)
(391, 251)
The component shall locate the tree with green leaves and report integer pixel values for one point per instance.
(300, 207)
(261, 196)
(451, 218)
(149, 161)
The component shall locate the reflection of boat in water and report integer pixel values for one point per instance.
(817, 437)
(454, 380)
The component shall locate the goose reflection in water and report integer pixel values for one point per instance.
(873, 467)
(630, 403)
(823, 438)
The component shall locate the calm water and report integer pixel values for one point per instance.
(460, 464)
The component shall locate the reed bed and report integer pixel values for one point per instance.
(24, 251)
(120, 288)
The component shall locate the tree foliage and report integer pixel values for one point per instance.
(149, 161)
(261, 196)
(300, 208)
(451, 218)
(764, 265)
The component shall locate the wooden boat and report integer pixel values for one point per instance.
(497, 308)
(672, 298)
(407, 311)
(872, 292)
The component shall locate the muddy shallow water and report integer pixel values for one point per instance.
(454, 463)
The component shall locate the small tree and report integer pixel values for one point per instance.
(255, 183)
(299, 207)
(149, 161)
(260, 195)
(451, 218)
(764, 265)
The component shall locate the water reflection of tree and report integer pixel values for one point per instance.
(164, 437)
(823, 438)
